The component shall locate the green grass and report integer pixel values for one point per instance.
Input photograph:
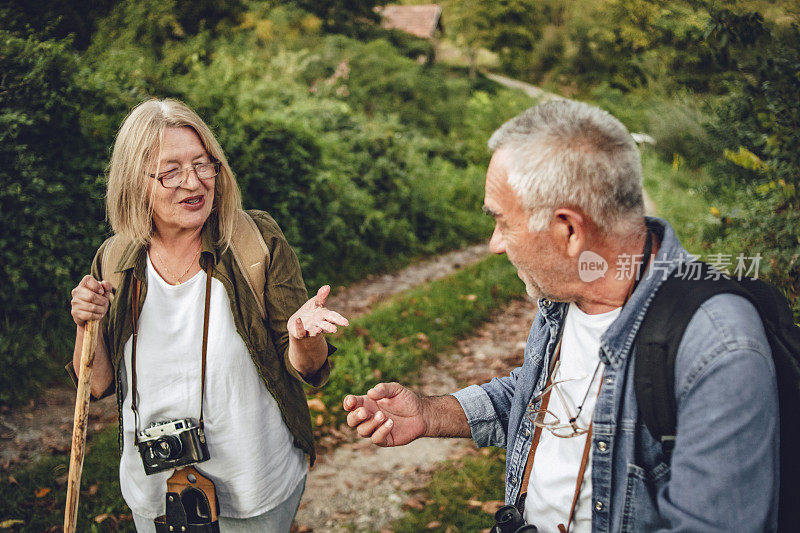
(455, 493)
(389, 343)
(100, 492)
(681, 197)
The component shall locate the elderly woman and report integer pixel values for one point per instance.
(175, 207)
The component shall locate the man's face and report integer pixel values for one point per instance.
(532, 252)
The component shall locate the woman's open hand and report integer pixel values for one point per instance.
(314, 318)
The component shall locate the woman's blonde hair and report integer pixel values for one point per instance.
(138, 147)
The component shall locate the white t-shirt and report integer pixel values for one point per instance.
(253, 463)
(554, 474)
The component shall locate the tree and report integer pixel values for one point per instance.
(342, 15)
(509, 27)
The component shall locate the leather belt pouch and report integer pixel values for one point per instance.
(192, 505)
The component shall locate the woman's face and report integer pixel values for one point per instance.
(185, 207)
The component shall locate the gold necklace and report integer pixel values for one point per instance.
(169, 272)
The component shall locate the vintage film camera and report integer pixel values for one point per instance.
(508, 520)
(173, 444)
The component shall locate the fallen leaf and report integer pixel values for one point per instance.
(6, 524)
(491, 506)
(41, 493)
(473, 504)
(102, 517)
(433, 525)
(319, 420)
(414, 503)
(315, 404)
(93, 489)
(12, 480)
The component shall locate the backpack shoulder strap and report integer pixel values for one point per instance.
(251, 255)
(112, 253)
(657, 343)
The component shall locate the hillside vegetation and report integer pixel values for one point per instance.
(366, 157)
(715, 83)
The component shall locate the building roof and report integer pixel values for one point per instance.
(421, 21)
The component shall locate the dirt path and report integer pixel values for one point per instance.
(531, 90)
(363, 487)
(44, 426)
(358, 298)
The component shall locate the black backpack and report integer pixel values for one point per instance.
(657, 346)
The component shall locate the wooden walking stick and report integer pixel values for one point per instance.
(80, 424)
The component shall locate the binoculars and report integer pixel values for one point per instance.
(508, 520)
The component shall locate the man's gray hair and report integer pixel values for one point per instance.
(570, 154)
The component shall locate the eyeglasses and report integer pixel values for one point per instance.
(546, 419)
(175, 178)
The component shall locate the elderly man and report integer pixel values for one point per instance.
(564, 186)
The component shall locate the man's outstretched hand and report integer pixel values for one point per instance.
(389, 414)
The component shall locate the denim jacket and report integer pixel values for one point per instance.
(723, 474)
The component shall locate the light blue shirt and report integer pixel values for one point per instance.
(723, 474)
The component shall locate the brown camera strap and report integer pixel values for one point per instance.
(537, 432)
(581, 473)
(137, 292)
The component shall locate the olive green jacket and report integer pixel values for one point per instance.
(267, 342)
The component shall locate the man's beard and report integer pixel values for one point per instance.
(535, 290)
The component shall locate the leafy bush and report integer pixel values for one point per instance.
(52, 216)
(757, 128)
(25, 367)
(55, 19)
(760, 224)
